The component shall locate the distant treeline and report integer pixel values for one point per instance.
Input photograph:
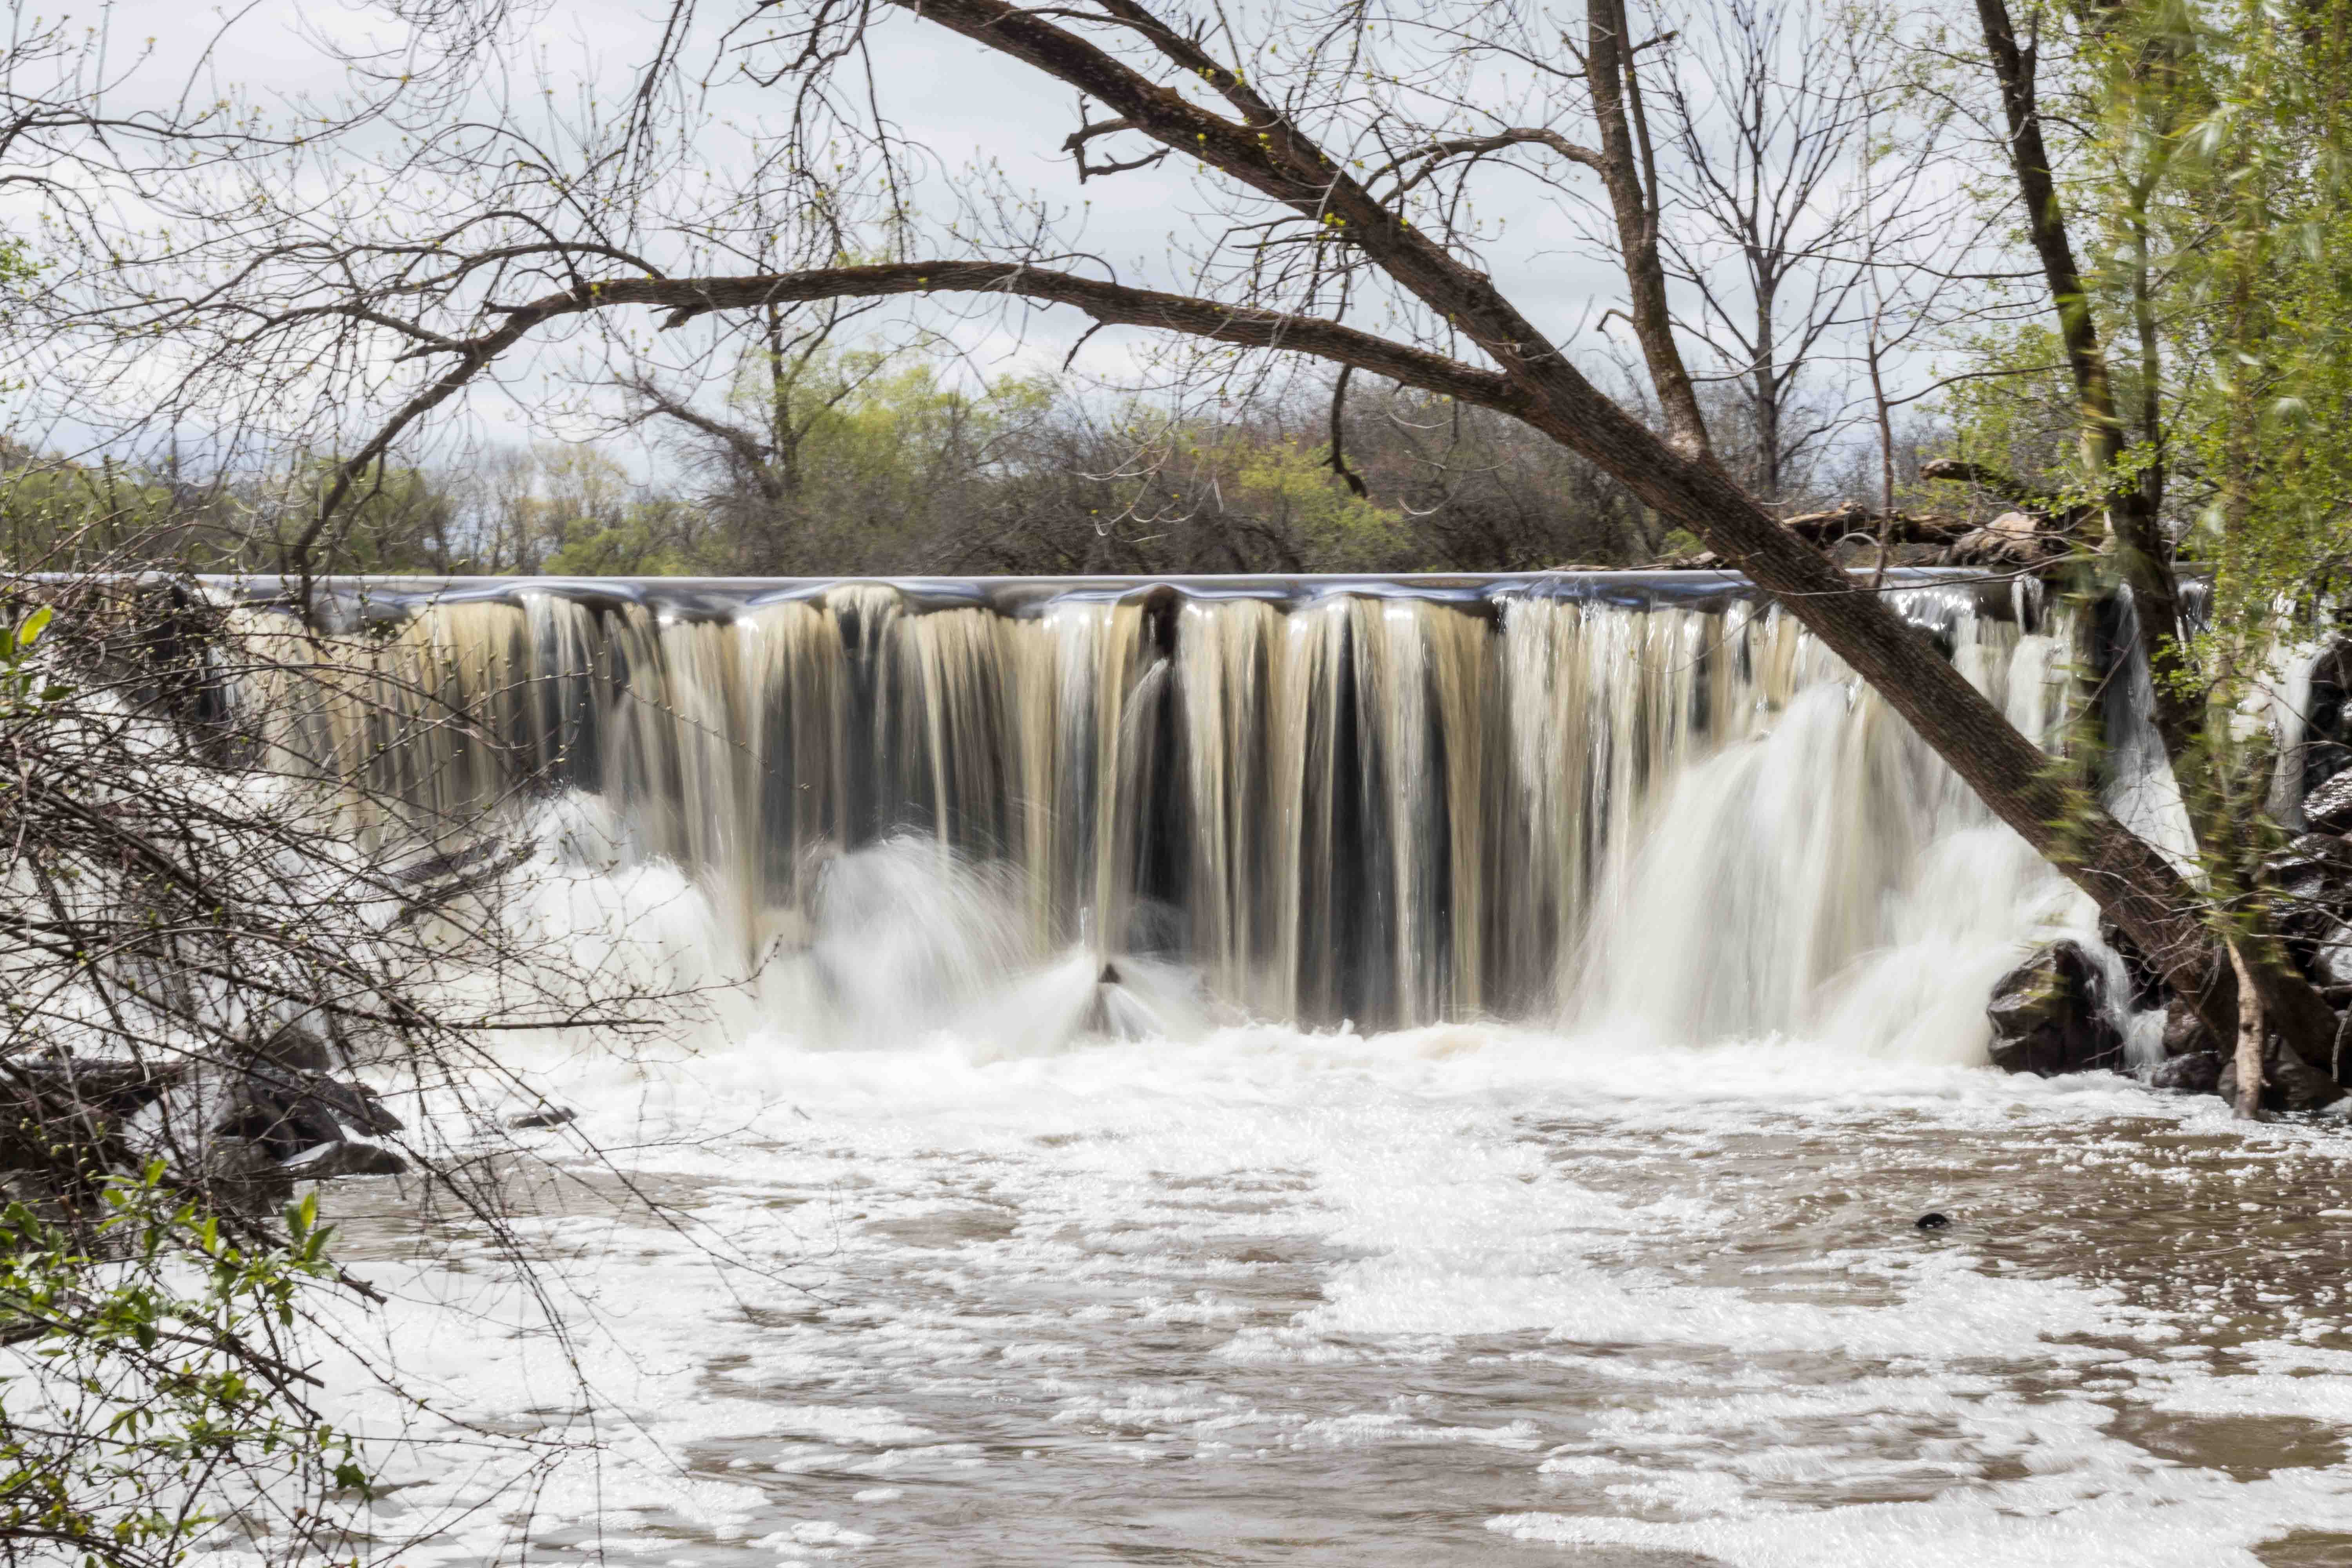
(862, 463)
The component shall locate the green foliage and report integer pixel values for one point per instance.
(57, 514)
(872, 459)
(647, 540)
(1293, 489)
(2203, 156)
(2203, 148)
(2017, 411)
(24, 688)
(2269, 297)
(860, 461)
(16, 267)
(144, 1378)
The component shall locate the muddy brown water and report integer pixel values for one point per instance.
(1391, 1317)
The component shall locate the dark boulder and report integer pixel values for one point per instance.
(355, 1105)
(2311, 859)
(61, 1117)
(343, 1158)
(217, 1106)
(254, 1129)
(297, 1049)
(2047, 1018)
(2322, 761)
(2311, 885)
(2331, 958)
(2198, 1072)
(240, 1169)
(2329, 807)
(2186, 1034)
(2289, 1083)
(264, 1124)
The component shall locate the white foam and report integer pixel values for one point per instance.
(939, 1262)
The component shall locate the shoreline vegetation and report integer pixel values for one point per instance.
(2050, 288)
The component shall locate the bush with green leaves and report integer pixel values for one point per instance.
(151, 1389)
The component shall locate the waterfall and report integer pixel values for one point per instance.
(1645, 801)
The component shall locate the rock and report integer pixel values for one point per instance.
(2322, 761)
(2185, 1034)
(259, 1122)
(2289, 1083)
(114, 1089)
(345, 1157)
(436, 878)
(2331, 958)
(2197, 1072)
(298, 1048)
(545, 1116)
(240, 1165)
(65, 1119)
(355, 1104)
(438, 865)
(2046, 1015)
(62, 1117)
(2312, 881)
(2329, 808)
(2331, 850)
(210, 1110)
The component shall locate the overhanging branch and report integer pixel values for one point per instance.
(1110, 304)
(2007, 485)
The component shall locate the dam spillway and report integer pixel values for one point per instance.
(1394, 801)
(1693, 940)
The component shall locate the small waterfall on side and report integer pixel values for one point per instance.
(1827, 875)
(1639, 801)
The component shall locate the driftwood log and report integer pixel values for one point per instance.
(1856, 535)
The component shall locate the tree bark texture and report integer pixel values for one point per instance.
(2249, 1106)
(2143, 555)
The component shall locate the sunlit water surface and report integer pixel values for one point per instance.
(1458, 1295)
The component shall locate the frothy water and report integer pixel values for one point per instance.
(1459, 1294)
(1049, 1180)
(1007, 1288)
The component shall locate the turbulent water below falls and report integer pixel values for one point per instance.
(1464, 1294)
(926, 1247)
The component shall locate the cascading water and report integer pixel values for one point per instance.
(1648, 802)
(1667, 945)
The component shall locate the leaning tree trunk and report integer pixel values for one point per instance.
(1534, 380)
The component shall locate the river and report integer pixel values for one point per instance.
(1464, 1294)
(989, 1220)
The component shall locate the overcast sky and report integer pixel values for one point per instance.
(968, 106)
